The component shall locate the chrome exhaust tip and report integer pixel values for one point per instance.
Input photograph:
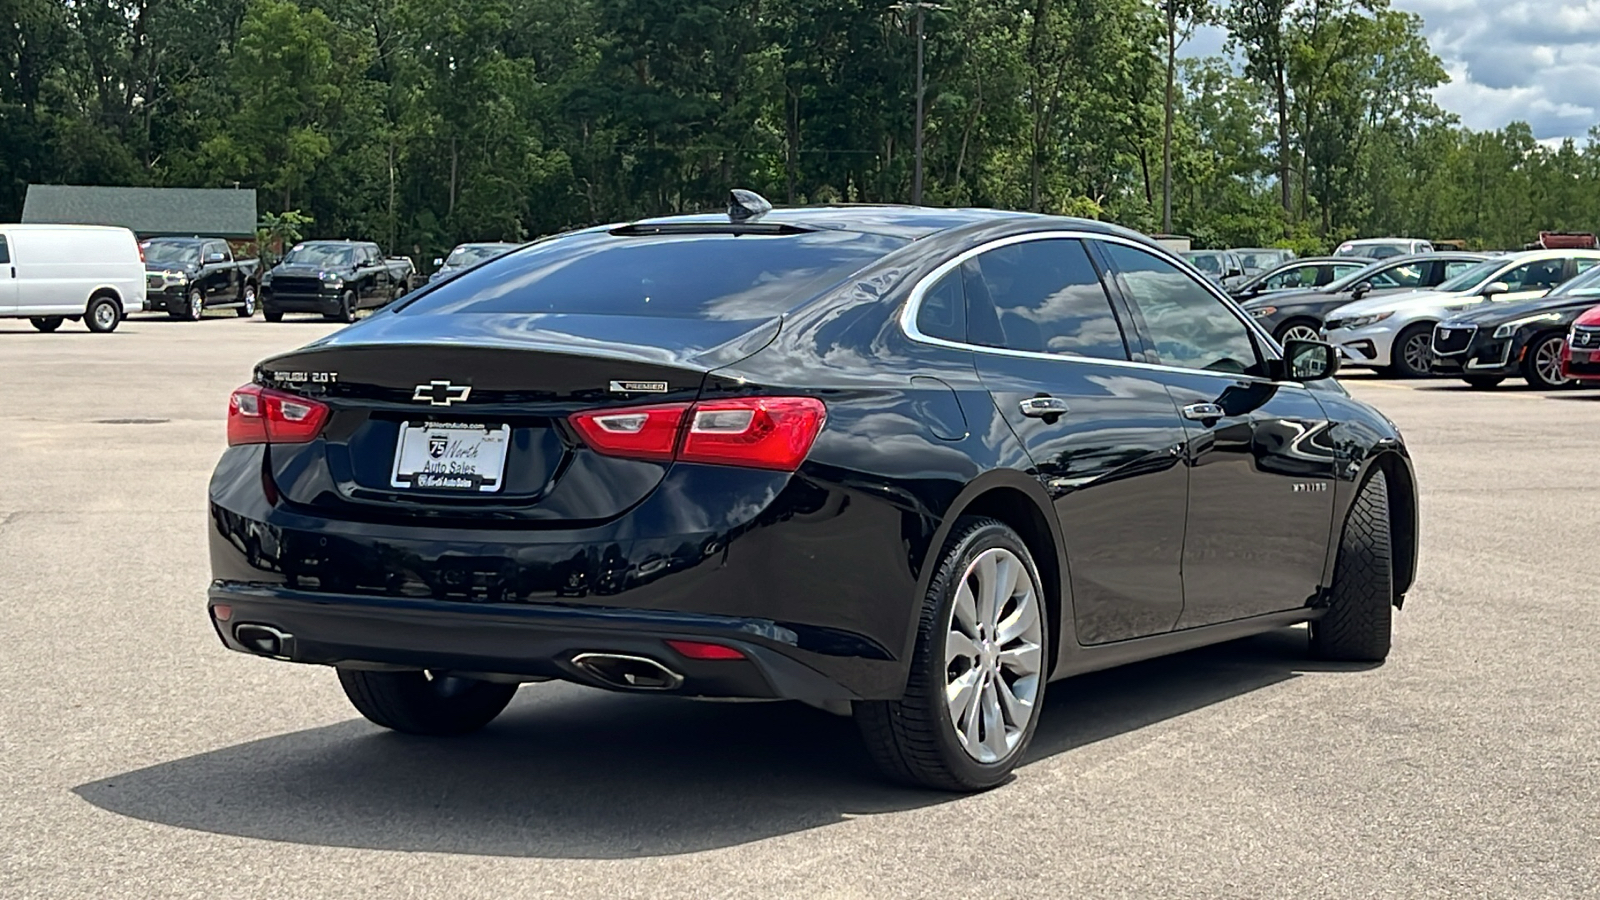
(628, 673)
(265, 640)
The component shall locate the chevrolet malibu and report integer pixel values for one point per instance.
(912, 465)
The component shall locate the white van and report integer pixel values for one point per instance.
(50, 273)
(1384, 248)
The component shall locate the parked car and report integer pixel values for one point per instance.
(1298, 315)
(1383, 248)
(187, 276)
(1395, 333)
(1298, 275)
(1487, 345)
(1580, 358)
(1217, 265)
(334, 278)
(52, 273)
(912, 464)
(1255, 260)
(465, 256)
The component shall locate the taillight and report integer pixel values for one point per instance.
(754, 432)
(258, 415)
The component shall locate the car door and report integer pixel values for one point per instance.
(1261, 464)
(8, 278)
(375, 283)
(1104, 437)
(216, 272)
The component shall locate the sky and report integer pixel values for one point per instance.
(1537, 61)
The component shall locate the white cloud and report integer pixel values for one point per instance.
(1535, 61)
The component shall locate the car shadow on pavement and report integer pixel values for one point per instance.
(570, 772)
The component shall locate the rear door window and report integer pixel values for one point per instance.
(1042, 297)
(1187, 325)
(5, 251)
(712, 276)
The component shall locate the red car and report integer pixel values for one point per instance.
(1580, 358)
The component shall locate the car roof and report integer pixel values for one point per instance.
(180, 240)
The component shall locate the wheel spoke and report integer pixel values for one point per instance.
(958, 696)
(959, 646)
(986, 576)
(971, 712)
(1020, 622)
(1018, 711)
(966, 609)
(1022, 659)
(995, 744)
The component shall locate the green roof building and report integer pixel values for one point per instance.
(147, 212)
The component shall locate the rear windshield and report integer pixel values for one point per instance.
(703, 276)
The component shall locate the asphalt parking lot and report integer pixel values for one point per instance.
(141, 759)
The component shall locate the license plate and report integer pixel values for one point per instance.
(450, 456)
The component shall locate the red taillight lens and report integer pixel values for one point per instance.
(638, 432)
(703, 650)
(258, 415)
(761, 432)
(755, 432)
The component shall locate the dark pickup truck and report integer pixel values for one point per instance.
(187, 276)
(334, 278)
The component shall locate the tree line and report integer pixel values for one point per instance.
(421, 123)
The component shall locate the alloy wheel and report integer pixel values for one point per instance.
(1547, 362)
(249, 301)
(1416, 352)
(197, 305)
(1300, 333)
(993, 655)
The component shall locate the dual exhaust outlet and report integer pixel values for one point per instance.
(622, 671)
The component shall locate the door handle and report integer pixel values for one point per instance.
(1039, 407)
(1202, 411)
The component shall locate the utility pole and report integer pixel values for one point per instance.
(921, 6)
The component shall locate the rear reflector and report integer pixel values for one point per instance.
(258, 415)
(755, 432)
(702, 650)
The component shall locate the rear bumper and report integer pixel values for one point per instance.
(530, 641)
(808, 579)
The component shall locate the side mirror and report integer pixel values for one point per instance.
(438, 261)
(1310, 360)
(1496, 288)
(215, 257)
(1361, 290)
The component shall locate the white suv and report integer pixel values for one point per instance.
(1395, 332)
(1383, 248)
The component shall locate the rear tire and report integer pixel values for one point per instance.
(422, 703)
(1001, 670)
(1541, 367)
(47, 324)
(103, 315)
(247, 303)
(1411, 351)
(1483, 382)
(1358, 626)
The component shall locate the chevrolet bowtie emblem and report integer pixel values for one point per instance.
(441, 393)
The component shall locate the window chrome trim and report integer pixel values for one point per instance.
(913, 305)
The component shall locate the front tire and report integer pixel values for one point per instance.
(347, 308)
(1412, 352)
(425, 702)
(978, 673)
(194, 304)
(1298, 330)
(271, 313)
(103, 315)
(1358, 626)
(1541, 367)
(47, 324)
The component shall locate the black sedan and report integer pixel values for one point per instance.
(1298, 315)
(1487, 345)
(907, 463)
